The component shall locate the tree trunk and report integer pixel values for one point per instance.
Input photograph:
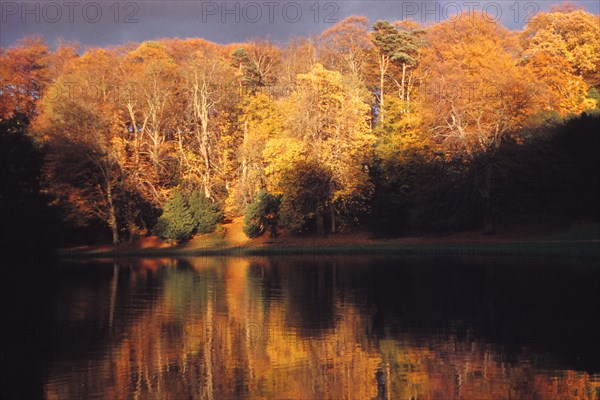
(489, 226)
(206, 157)
(136, 141)
(112, 217)
(382, 69)
(408, 91)
(320, 225)
(115, 232)
(201, 106)
(402, 90)
(131, 233)
(244, 175)
(204, 142)
(332, 217)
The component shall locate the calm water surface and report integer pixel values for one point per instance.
(302, 328)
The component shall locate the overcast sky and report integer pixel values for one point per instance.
(101, 23)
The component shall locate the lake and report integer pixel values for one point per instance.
(302, 327)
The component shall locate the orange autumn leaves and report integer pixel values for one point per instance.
(230, 120)
(477, 91)
(481, 84)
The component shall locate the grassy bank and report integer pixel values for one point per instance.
(583, 249)
(578, 241)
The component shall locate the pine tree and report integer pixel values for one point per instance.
(262, 215)
(206, 215)
(177, 221)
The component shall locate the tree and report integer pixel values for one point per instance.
(570, 34)
(124, 128)
(206, 215)
(560, 89)
(27, 221)
(264, 57)
(82, 169)
(186, 214)
(150, 78)
(202, 126)
(86, 159)
(262, 215)
(246, 72)
(563, 49)
(24, 75)
(177, 221)
(403, 147)
(326, 121)
(412, 44)
(259, 121)
(255, 64)
(394, 46)
(345, 47)
(477, 94)
(306, 188)
(297, 57)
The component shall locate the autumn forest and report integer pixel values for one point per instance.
(389, 127)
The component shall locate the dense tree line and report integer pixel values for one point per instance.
(397, 126)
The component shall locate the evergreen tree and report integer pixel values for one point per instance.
(206, 215)
(262, 215)
(249, 75)
(177, 221)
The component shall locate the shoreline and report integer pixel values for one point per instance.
(578, 240)
(580, 249)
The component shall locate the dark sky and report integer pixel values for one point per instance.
(100, 23)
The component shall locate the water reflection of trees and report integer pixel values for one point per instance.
(224, 328)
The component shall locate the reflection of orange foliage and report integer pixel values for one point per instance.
(236, 273)
(199, 264)
(229, 341)
(568, 385)
(153, 264)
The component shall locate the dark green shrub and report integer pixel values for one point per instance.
(184, 215)
(177, 219)
(206, 214)
(262, 215)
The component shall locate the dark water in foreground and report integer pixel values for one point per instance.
(302, 328)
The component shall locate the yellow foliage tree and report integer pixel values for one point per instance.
(259, 121)
(569, 33)
(563, 49)
(327, 123)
